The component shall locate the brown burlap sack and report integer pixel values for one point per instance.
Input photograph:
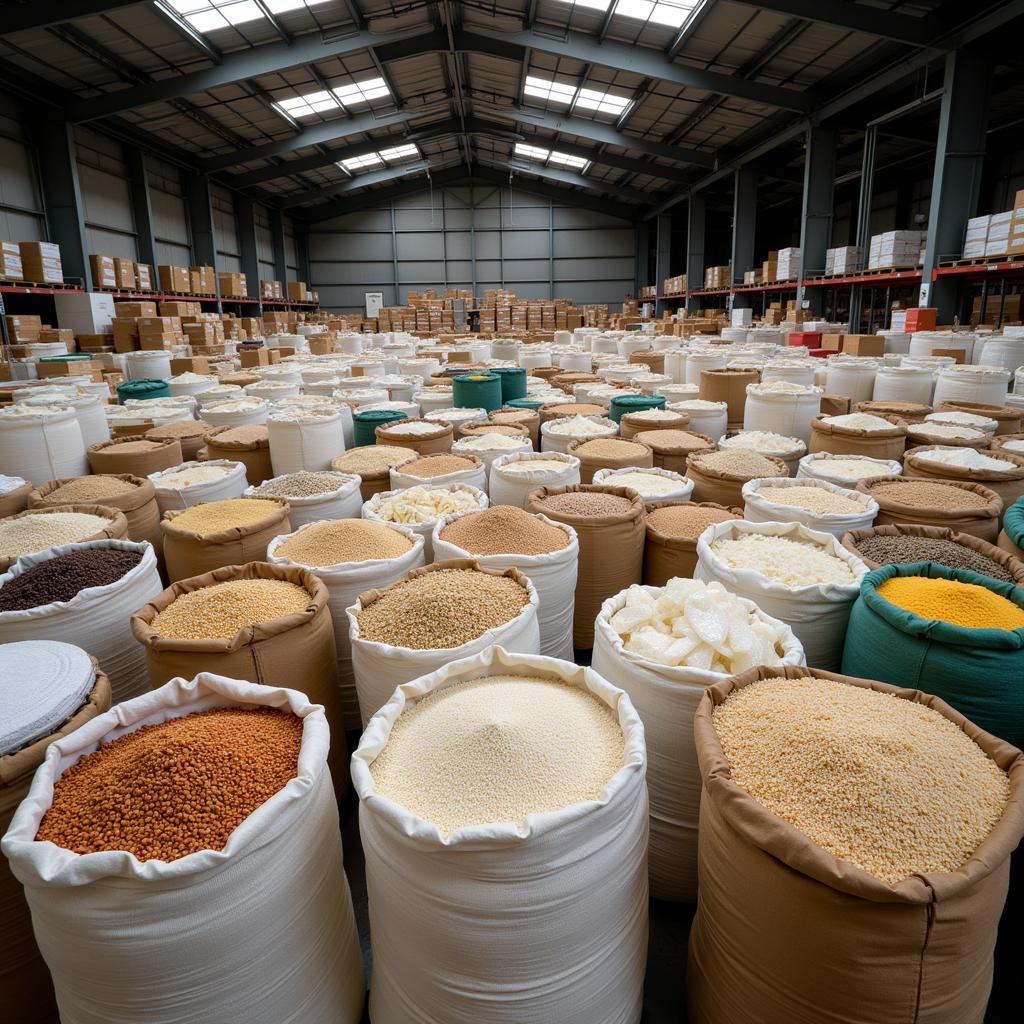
(653, 360)
(834, 405)
(138, 505)
(13, 502)
(980, 521)
(508, 429)
(528, 418)
(439, 440)
(611, 551)
(188, 554)
(919, 436)
(667, 555)
(567, 380)
(787, 933)
(1009, 486)
(559, 410)
(124, 431)
(909, 412)
(1007, 416)
(111, 457)
(1013, 565)
(26, 992)
(1005, 544)
(117, 528)
(878, 444)
(190, 433)
(241, 379)
(633, 423)
(628, 453)
(249, 445)
(673, 447)
(724, 488)
(729, 386)
(995, 443)
(546, 372)
(295, 650)
(372, 483)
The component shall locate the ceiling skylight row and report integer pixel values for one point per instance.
(367, 161)
(350, 95)
(551, 156)
(670, 13)
(213, 15)
(602, 100)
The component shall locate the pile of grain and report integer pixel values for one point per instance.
(415, 506)
(535, 465)
(793, 563)
(200, 474)
(437, 465)
(926, 494)
(858, 421)
(64, 577)
(960, 604)
(214, 516)
(303, 484)
(38, 532)
(343, 540)
(371, 460)
(886, 550)
(88, 490)
(814, 499)
(744, 462)
(504, 530)
(648, 485)
(133, 447)
(610, 448)
(965, 458)
(252, 433)
(686, 522)
(586, 504)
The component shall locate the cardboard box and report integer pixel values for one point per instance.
(201, 280)
(834, 405)
(84, 312)
(102, 270)
(920, 318)
(143, 277)
(830, 342)
(124, 271)
(158, 342)
(70, 368)
(320, 346)
(95, 341)
(173, 279)
(297, 291)
(40, 262)
(959, 355)
(158, 325)
(231, 284)
(10, 261)
(192, 364)
(23, 328)
(863, 345)
(252, 356)
(179, 309)
(134, 309)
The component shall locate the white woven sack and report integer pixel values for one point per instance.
(553, 574)
(544, 922)
(476, 477)
(231, 485)
(304, 440)
(815, 467)
(508, 488)
(553, 439)
(41, 445)
(464, 446)
(780, 413)
(986, 385)
(89, 412)
(262, 931)
(682, 492)
(425, 530)
(379, 668)
(95, 619)
(817, 614)
(236, 412)
(759, 509)
(665, 699)
(345, 502)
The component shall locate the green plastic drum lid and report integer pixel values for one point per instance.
(622, 405)
(365, 424)
(71, 357)
(525, 403)
(481, 390)
(149, 387)
(1013, 522)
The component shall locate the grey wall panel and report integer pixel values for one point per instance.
(598, 268)
(365, 273)
(460, 274)
(351, 297)
(458, 245)
(111, 243)
(603, 242)
(22, 227)
(170, 219)
(422, 245)
(526, 244)
(18, 184)
(575, 217)
(106, 198)
(172, 253)
(422, 274)
(361, 220)
(527, 270)
(488, 245)
(418, 219)
(457, 218)
(524, 217)
(488, 270)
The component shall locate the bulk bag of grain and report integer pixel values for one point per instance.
(556, 435)
(528, 418)
(652, 419)
(237, 412)
(1007, 417)
(420, 508)
(110, 920)
(272, 391)
(424, 437)
(41, 443)
(986, 385)
(457, 417)
(515, 476)
(652, 484)
(221, 393)
(609, 525)
(440, 471)
(956, 505)
(672, 529)
(313, 497)
(868, 893)
(195, 482)
(191, 434)
(886, 545)
(349, 556)
(859, 433)
(1000, 471)
(909, 412)
(14, 492)
(845, 470)
(780, 407)
(795, 371)
(213, 534)
(1009, 442)
(957, 632)
(965, 419)
(503, 814)
(39, 529)
(249, 445)
(664, 646)
(566, 410)
(706, 417)
(851, 377)
(134, 454)
(88, 410)
(50, 690)
(672, 448)
(372, 464)
(84, 594)
(803, 577)
(720, 476)
(952, 435)
(789, 449)
(506, 537)
(435, 615)
(1011, 536)
(490, 445)
(304, 439)
(609, 453)
(815, 503)
(132, 495)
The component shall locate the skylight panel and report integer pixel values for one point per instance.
(308, 105)
(531, 152)
(361, 163)
(594, 5)
(284, 6)
(575, 163)
(602, 100)
(396, 153)
(547, 89)
(348, 95)
(550, 156)
(361, 92)
(211, 15)
(671, 13)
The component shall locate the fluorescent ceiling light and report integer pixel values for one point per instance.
(547, 89)
(393, 155)
(349, 95)
(551, 156)
(672, 13)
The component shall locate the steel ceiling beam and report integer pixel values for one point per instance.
(493, 175)
(379, 177)
(22, 17)
(338, 207)
(566, 177)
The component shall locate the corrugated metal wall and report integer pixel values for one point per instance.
(170, 213)
(21, 203)
(106, 196)
(225, 229)
(264, 243)
(476, 238)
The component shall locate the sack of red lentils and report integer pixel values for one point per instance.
(134, 454)
(244, 917)
(874, 921)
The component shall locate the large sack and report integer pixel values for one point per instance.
(1007, 416)
(370, 511)
(786, 932)
(231, 485)
(108, 456)
(666, 698)
(509, 487)
(635, 454)
(672, 449)
(379, 668)
(611, 554)
(191, 435)
(116, 528)
(979, 671)
(760, 509)
(499, 924)
(409, 474)
(262, 931)
(345, 501)
(876, 444)
(1008, 485)
(403, 435)
(667, 555)
(721, 486)
(15, 498)
(249, 445)
(26, 991)
(1011, 537)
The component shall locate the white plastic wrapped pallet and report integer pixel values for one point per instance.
(111, 927)
(760, 509)
(41, 444)
(230, 485)
(506, 924)
(666, 698)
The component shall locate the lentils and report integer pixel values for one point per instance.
(738, 462)
(504, 529)
(344, 540)
(886, 550)
(88, 490)
(213, 516)
(303, 484)
(586, 504)
(814, 499)
(497, 749)
(925, 493)
(220, 611)
(686, 522)
(438, 465)
(37, 532)
(371, 460)
(961, 604)
(168, 790)
(64, 577)
(442, 609)
(610, 448)
(883, 783)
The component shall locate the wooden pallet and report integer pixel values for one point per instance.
(882, 271)
(38, 284)
(984, 261)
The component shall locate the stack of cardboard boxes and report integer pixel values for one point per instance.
(271, 290)
(119, 273)
(299, 292)
(718, 277)
(232, 285)
(173, 278)
(753, 276)
(997, 234)
(770, 267)
(844, 259)
(10, 262)
(40, 262)
(674, 285)
(896, 250)
(788, 264)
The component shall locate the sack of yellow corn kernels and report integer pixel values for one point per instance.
(950, 632)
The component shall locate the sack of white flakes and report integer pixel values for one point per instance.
(664, 646)
(167, 924)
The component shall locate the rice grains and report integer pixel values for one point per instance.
(47, 530)
(214, 516)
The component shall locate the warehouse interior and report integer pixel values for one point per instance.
(355, 354)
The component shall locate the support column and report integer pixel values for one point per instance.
(663, 253)
(641, 262)
(863, 237)
(744, 221)
(142, 211)
(248, 252)
(62, 195)
(816, 213)
(695, 225)
(277, 243)
(200, 214)
(301, 229)
(959, 160)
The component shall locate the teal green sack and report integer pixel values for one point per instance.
(980, 672)
(1013, 524)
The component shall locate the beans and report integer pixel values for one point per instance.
(504, 530)
(686, 522)
(88, 490)
(168, 790)
(38, 532)
(437, 465)
(883, 783)
(886, 550)
(303, 484)
(214, 516)
(62, 578)
(442, 609)
(610, 448)
(497, 749)
(922, 493)
(737, 461)
(814, 499)
(343, 540)
(586, 503)
(218, 612)
(962, 604)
